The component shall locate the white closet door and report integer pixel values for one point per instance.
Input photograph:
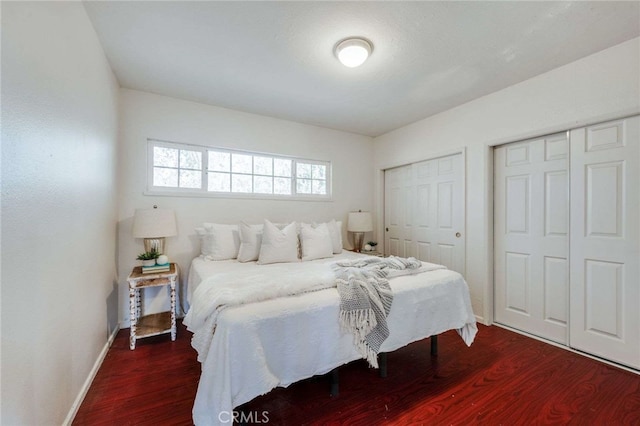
(439, 212)
(398, 212)
(605, 234)
(425, 213)
(531, 226)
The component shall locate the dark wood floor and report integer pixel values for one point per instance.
(503, 378)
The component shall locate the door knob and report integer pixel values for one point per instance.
(458, 235)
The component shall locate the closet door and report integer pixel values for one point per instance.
(531, 226)
(424, 211)
(605, 234)
(398, 212)
(439, 212)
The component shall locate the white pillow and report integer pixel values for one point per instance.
(250, 242)
(316, 242)
(205, 241)
(278, 245)
(219, 242)
(335, 231)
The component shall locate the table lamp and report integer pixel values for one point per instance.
(154, 225)
(359, 222)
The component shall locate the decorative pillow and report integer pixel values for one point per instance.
(218, 241)
(316, 242)
(250, 242)
(278, 245)
(205, 241)
(335, 231)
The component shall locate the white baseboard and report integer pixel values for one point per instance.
(87, 383)
(481, 320)
(569, 349)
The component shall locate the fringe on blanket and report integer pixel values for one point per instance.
(360, 322)
(365, 300)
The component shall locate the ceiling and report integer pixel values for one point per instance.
(276, 58)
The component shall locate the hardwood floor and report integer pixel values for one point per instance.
(503, 378)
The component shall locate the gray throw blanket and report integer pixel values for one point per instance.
(365, 300)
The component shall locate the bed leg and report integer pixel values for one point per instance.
(335, 382)
(241, 420)
(434, 345)
(382, 362)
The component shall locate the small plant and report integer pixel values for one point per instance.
(148, 255)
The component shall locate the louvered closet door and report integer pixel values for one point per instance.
(398, 211)
(605, 234)
(531, 226)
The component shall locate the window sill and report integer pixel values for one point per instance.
(238, 196)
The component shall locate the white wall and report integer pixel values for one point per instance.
(59, 141)
(602, 86)
(144, 115)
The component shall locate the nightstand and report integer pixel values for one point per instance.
(370, 253)
(153, 324)
(373, 253)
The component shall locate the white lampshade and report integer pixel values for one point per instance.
(360, 222)
(154, 223)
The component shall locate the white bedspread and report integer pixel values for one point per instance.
(259, 346)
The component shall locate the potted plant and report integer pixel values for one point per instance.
(370, 246)
(149, 257)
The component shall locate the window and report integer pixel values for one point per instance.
(176, 167)
(181, 168)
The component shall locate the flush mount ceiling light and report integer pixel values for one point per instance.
(352, 52)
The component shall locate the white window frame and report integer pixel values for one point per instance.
(203, 190)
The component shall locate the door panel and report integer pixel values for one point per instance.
(556, 290)
(604, 199)
(432, 209)
(517, 204)
(556, 213)
(531, 205)
(605, 235)
(439, 211)
(397, 211)
(517, 276)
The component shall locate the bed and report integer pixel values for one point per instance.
(259, 346)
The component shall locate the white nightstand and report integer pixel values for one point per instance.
(370, 253)
(373, 253)
(153, 324)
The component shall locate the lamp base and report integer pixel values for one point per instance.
(358, 239)
(151, 244)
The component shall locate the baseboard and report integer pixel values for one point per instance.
(481, 320)
(570, 349)
(87, 383)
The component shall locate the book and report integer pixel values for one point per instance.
(156, 268)
(155, 271)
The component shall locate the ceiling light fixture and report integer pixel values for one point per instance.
(352, 52)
